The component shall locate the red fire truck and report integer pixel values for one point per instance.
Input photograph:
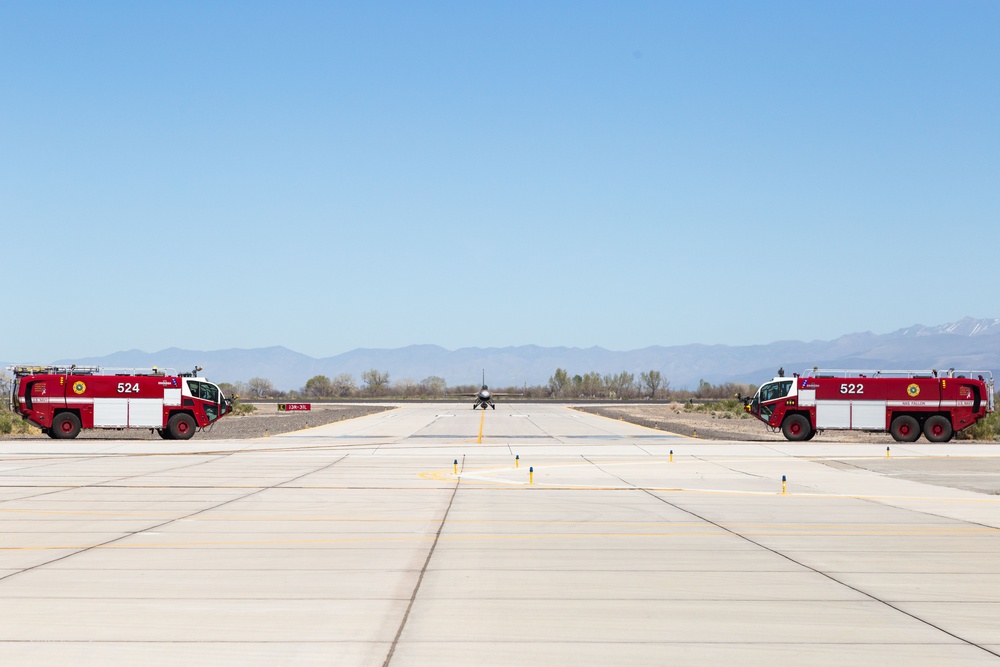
(63, 400)
(903, 403)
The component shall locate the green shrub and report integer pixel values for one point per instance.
(243, 408)
(984, 429)
(728, 408)
(11, 423)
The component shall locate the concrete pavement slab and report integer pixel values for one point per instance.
(564, 557)
(221, 654)
(199, 620)
(388, 556)
(970, 587)
(622, 583)
(195, 584)
(951, 561)
(643, 620)
(755, 654)
(974, 621)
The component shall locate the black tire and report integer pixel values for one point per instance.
(796, 428)
(904, 428)
(164, 433)
(65, 426)
(181, 426)
(938, 429)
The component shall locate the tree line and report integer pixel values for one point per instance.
(649, 385)
(593, 385)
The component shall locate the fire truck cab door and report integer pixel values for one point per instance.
(769, 395)
(206, 391)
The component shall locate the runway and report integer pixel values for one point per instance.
(561, 538)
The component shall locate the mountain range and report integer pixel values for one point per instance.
(969, 344)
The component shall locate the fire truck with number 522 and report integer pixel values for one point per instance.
(902, 403)
(64, 400)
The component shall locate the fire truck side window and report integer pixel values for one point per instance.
(775, 390)
(204, 390)
(209, 392)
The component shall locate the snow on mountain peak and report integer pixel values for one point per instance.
(967, 326)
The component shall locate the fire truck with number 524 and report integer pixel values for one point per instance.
(64, 400)
(903, 403)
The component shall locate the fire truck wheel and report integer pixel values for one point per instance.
(181, 427)
(65, 425)
(163, 433)
(937, 429)
(905, 428)
(796, 428)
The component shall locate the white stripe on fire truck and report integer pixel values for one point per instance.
(76, 400)
(931, 404)
(897, 404)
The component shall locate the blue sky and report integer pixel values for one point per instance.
(327, 176)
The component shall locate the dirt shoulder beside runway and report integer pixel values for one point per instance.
(267, 418)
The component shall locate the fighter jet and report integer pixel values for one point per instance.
(484, 397)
